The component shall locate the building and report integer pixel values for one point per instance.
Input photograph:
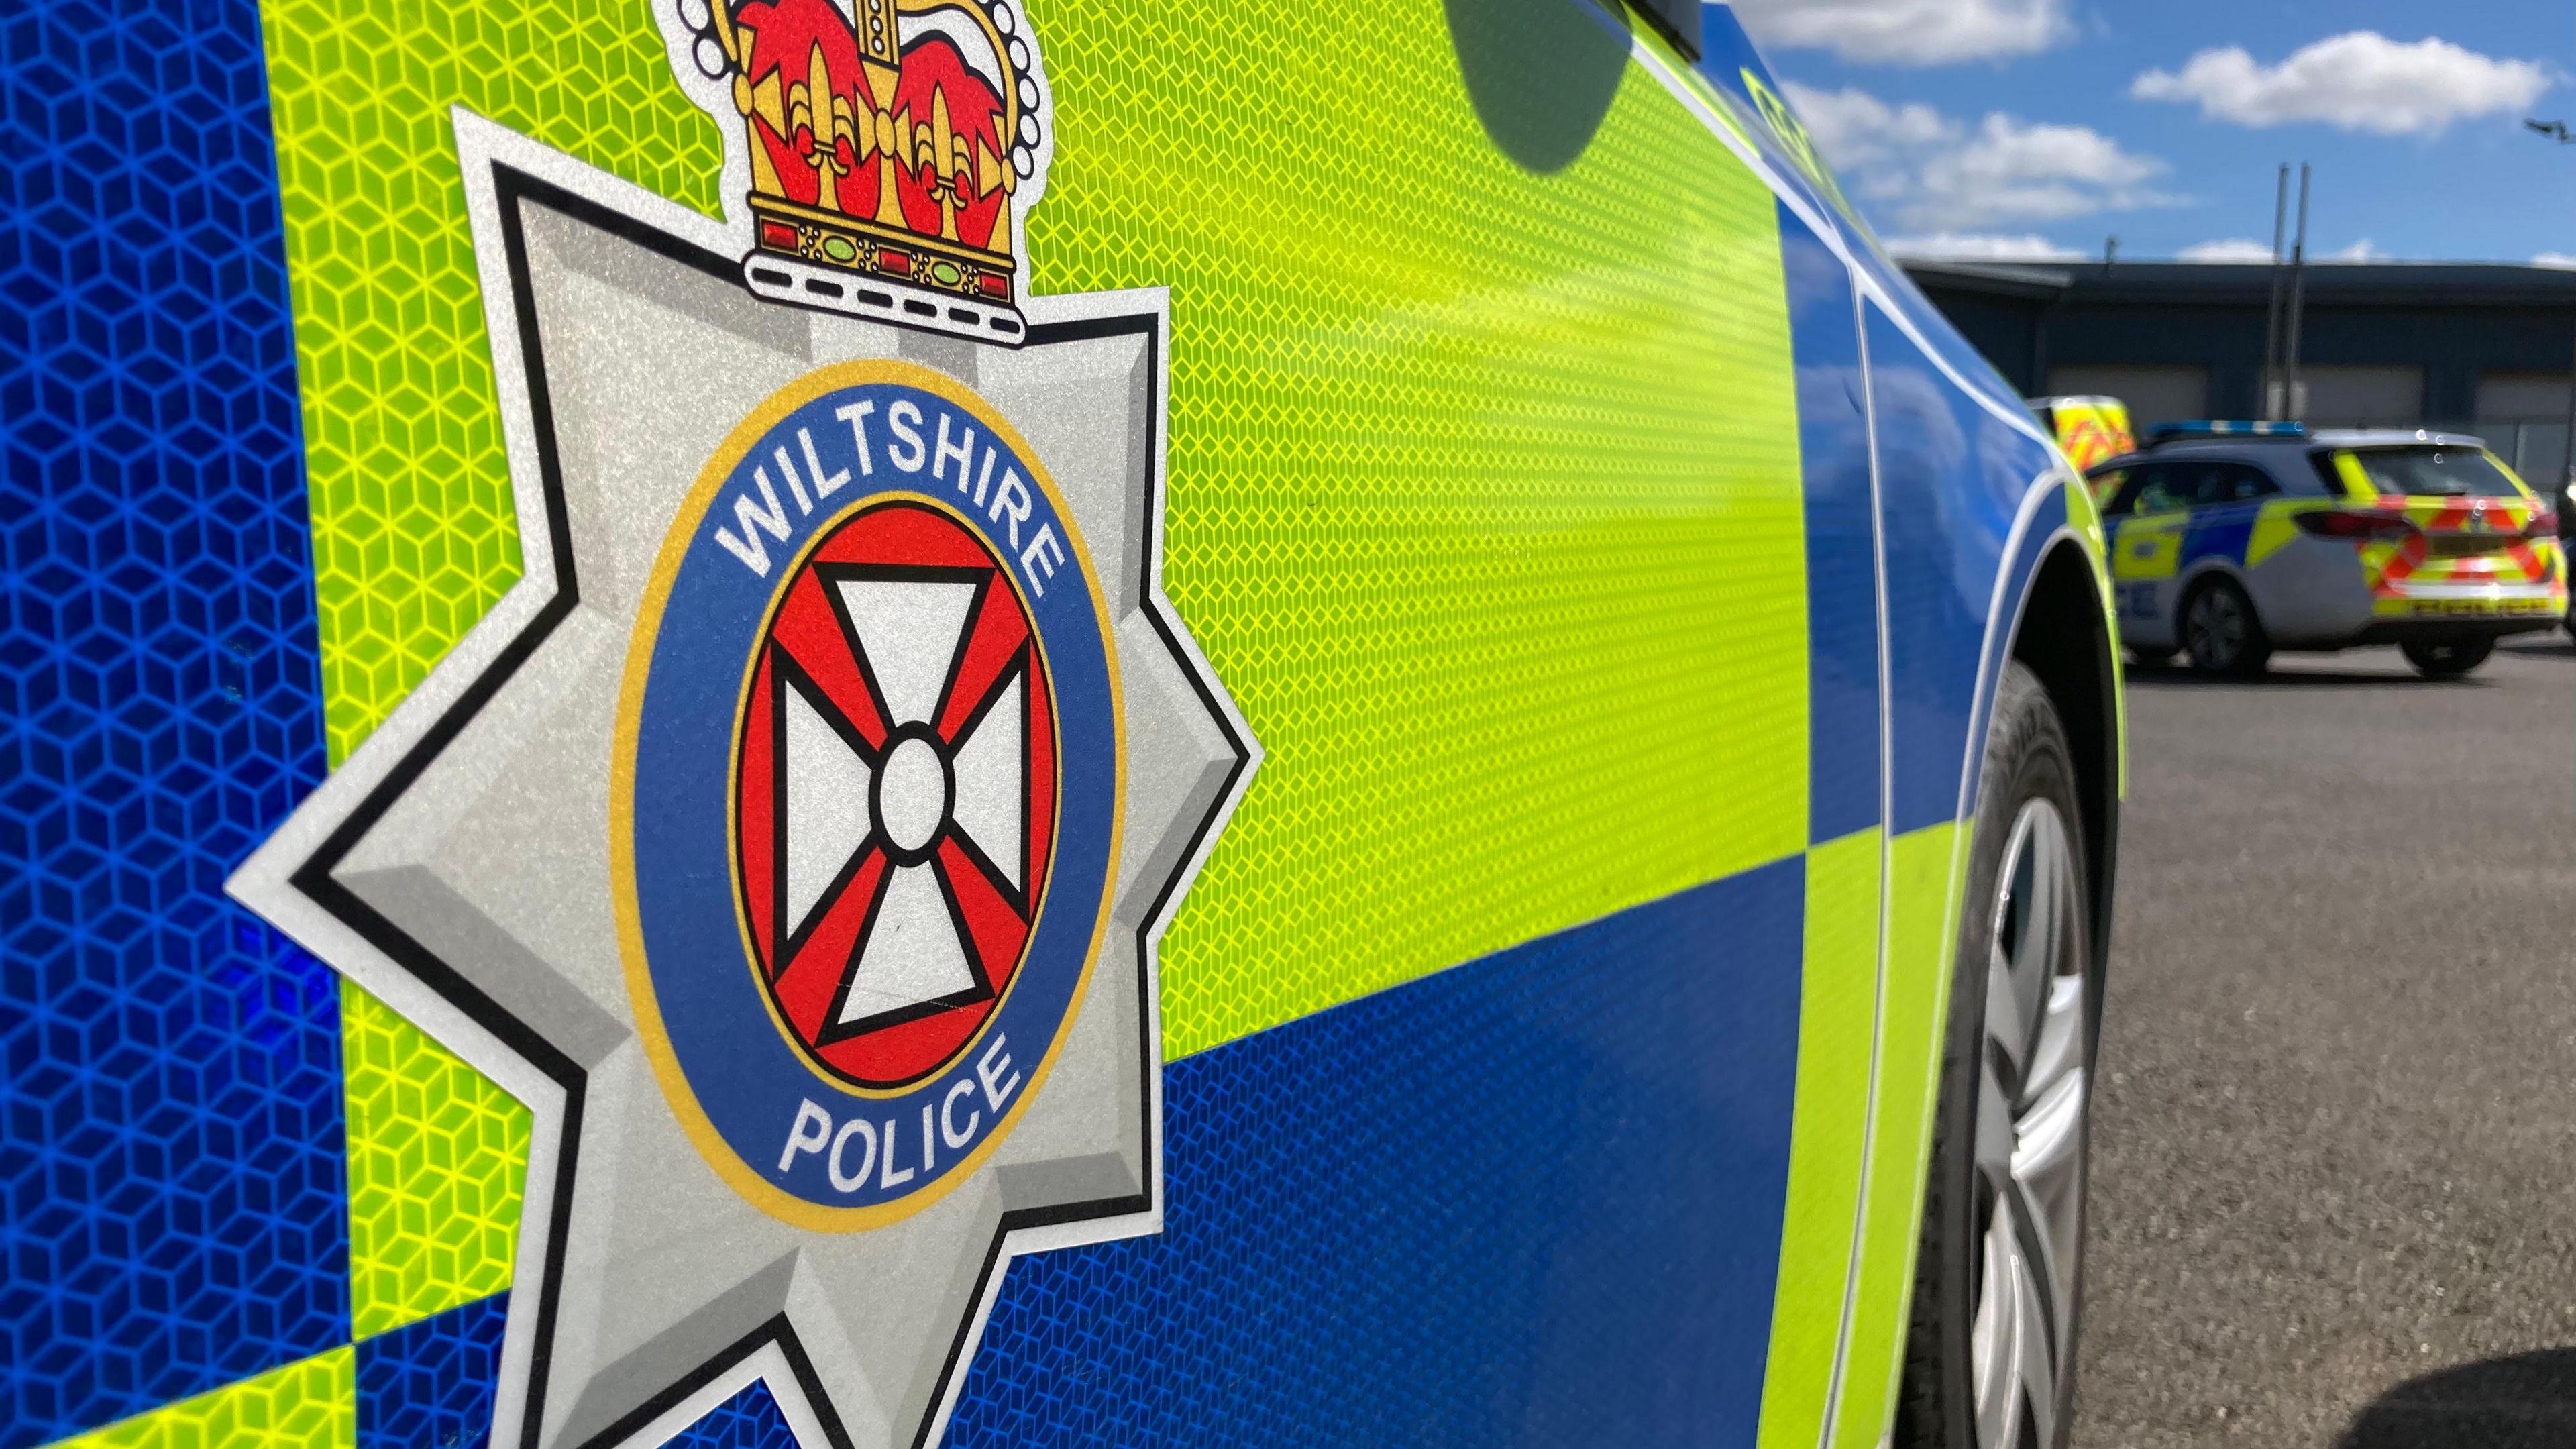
(2480, 348)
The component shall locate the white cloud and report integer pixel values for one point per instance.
(1931, 173)
(2554, 259)
(1909, 32)
(1951, 246)
(2246, 249)
(1857, 130)
(2230, 249)
(2013, 170)
(2357, 81)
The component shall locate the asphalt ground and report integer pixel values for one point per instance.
(2334, 1174)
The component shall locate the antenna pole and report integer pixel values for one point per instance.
(2297, 394)
(2273, 401)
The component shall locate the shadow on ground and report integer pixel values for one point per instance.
(2299, 671)
(2167, 677)
(2527, 1401)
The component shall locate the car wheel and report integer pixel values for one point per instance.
(2220, 631)
(2446, 658)
(1990, 1350)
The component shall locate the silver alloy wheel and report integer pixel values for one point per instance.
(2030, 1136)
(2215, 632)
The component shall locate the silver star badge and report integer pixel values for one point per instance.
(465, 865)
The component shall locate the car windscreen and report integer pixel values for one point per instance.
(2434, 471)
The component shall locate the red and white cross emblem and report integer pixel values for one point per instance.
(895, 794)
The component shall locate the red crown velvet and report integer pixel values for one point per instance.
(878, 146)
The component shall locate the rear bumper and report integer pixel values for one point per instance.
(2463, 603)
(2433, 631)
(2432, 611)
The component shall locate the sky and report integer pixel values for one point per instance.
(2038, 128)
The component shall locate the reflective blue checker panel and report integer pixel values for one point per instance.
(428, 1385)
(1530, 1200)
(748, 1420)
(1839, 505)
(1951, 476)
(170, 1147)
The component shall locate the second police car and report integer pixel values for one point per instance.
(2230, 541)
(893, 722)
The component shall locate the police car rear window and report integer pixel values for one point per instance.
(2435, 472)
(2186, 483)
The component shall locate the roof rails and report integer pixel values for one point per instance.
(2222, 428)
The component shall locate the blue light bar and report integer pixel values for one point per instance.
(2224, 428)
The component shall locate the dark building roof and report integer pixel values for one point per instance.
(2453, 324)
(2388, 284)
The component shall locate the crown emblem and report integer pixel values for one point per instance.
(885, 151)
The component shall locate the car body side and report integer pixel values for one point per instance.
(1615, 554)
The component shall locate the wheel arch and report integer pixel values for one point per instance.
(2064, 636)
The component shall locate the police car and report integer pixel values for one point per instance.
(2230, 541)
(894, 722)
(2089, 429)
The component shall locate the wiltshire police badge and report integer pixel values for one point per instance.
(794, 837)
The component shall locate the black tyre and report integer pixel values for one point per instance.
(2220, 630)
(1990, 1351)
(2446, 658)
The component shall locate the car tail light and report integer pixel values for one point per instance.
(2355, 523)
(2543, 524)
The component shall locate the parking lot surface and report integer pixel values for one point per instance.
(2334, 1194)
